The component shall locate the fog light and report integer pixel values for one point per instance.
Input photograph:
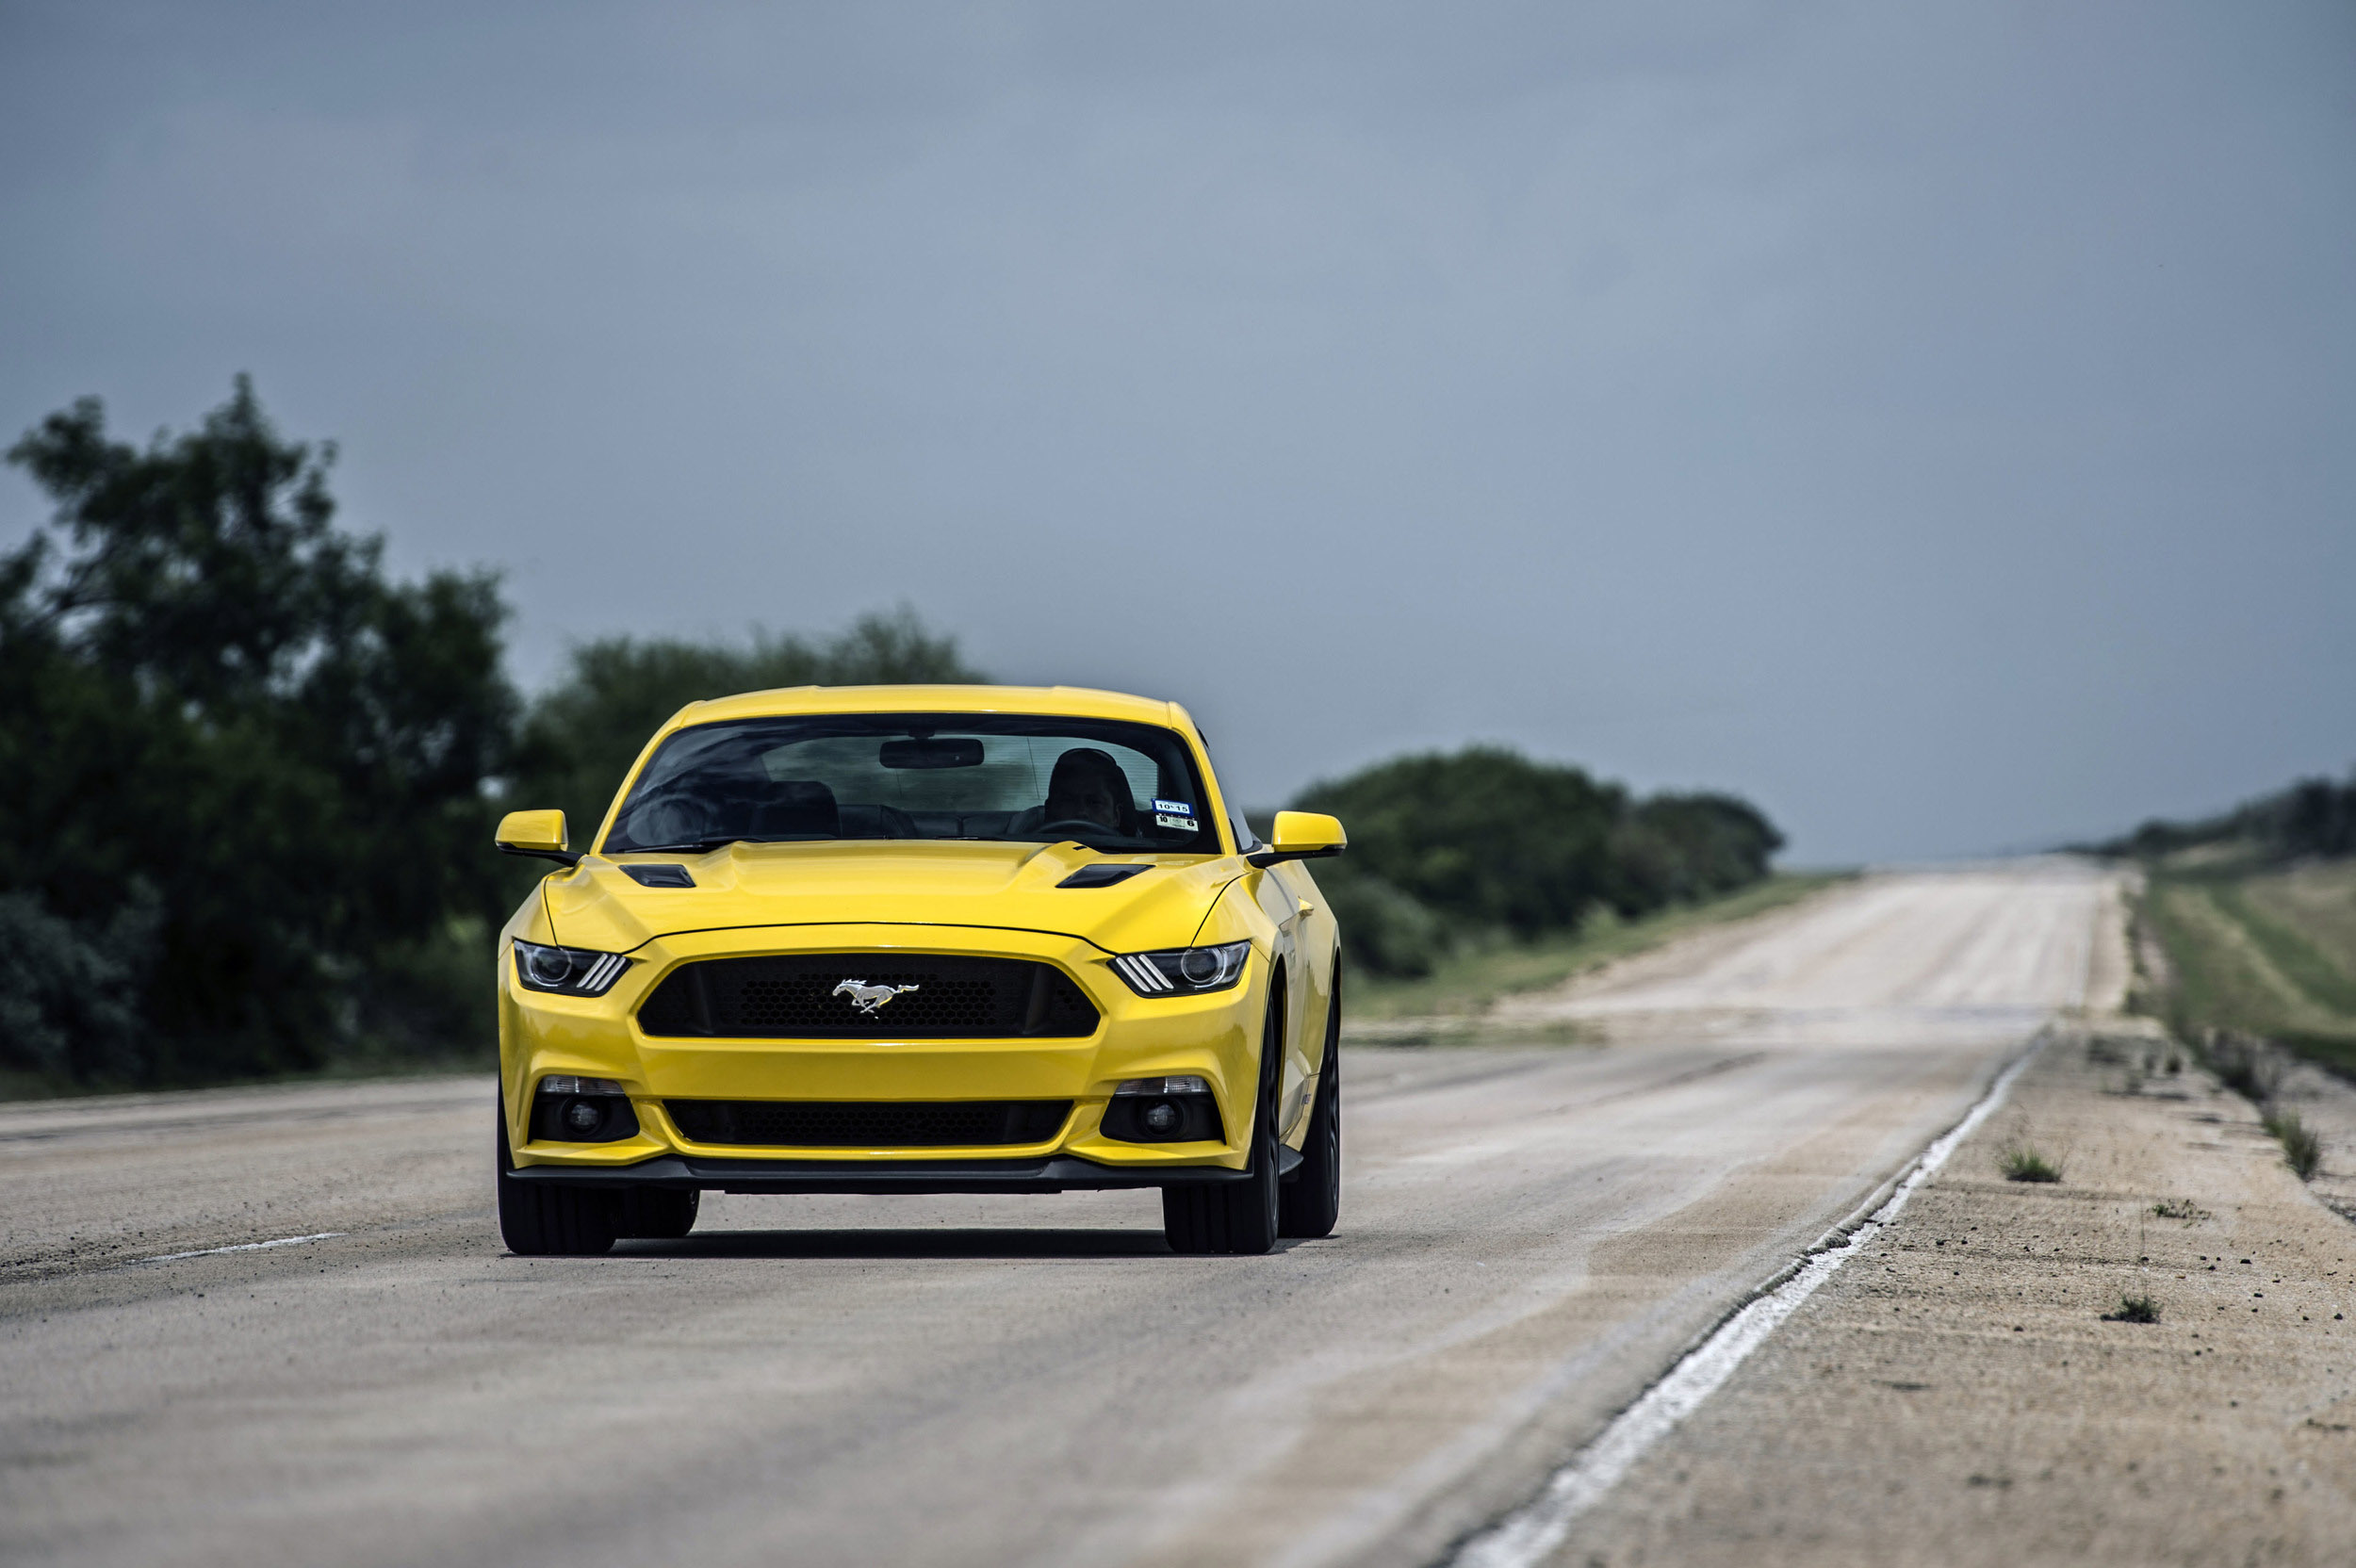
(569, 1109)
(1177, 1107)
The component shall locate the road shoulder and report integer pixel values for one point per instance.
(1957, 1395)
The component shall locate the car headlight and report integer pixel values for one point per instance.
(567, 970)
(1182, 971)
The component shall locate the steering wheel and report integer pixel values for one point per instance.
(1087, 823)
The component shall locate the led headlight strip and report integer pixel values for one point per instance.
(1141, 975)
(603, 972)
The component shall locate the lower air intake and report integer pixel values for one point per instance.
(868, 1123)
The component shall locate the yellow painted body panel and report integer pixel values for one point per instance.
(884, 897)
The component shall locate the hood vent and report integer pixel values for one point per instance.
(1102, 875)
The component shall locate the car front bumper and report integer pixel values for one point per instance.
(1214, 1036)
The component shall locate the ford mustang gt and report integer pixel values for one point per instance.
(922, 940)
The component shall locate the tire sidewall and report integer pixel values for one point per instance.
(1267, 1188)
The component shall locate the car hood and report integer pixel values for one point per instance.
(1010, 885)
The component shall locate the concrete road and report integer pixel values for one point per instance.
(1528, 1237)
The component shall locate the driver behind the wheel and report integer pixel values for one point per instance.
(1088, 786)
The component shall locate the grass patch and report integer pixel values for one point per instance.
(2258, 951)
(2302, 1150)
(1468, 981)
(2020, 1163)
(2134, 1308)
(2180, 1208)
(2298, 957)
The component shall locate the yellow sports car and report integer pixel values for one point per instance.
(921, 939)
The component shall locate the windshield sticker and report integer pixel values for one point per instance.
(1184, 824)
(1178, 808)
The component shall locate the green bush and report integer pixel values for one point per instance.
(1678, 849)
(1447, 847)
(69, 991)
(1384, 931)
(1483, 836)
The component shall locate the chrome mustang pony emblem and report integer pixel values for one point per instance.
(867, 998)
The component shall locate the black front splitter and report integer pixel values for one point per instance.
(1056, 1173)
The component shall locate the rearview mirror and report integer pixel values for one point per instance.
(958, 752)
(1300, 836)
(537, 834)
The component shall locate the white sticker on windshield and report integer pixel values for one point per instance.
(1184, 824)
(1178, 806)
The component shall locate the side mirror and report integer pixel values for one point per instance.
(539, 834)
(1300, 836)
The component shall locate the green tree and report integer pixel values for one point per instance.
(239, 766)
(2313, 817)
(582, 734)
(1442, 846)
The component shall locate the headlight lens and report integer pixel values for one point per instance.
(1182, 971)
(567, 970)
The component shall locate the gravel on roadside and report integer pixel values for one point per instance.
(1975, 1388)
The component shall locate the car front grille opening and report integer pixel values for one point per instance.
(857, 996)
(869, 1123)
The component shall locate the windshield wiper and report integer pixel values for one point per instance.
(694, 846)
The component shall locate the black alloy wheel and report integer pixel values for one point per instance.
(1238, 1216)
(658, 1214)
(547, 1219)
(1312, 1200)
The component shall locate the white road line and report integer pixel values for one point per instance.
(241, 1246)
(1527, 1536)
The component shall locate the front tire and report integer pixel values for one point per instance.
(546, 1219)
(1238, 1216)
(1312, 1200)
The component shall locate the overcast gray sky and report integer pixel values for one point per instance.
(1938, 423)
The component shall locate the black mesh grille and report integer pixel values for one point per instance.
(805, 997)
(869, 1123)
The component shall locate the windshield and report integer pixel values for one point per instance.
(919, 775)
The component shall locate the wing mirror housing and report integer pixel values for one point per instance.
(1300, 836)
(537, 834)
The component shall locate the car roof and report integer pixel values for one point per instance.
(1057, 701)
